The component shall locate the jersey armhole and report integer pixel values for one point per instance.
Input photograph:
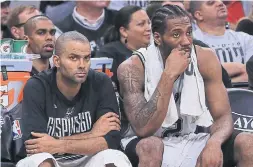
(141, 57)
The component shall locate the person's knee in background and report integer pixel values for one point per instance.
(150, 152)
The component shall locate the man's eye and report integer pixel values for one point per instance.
(73, 58)
(189, 33)
(41, 32)
(175, 35)
(87, 58)
(141, 24)
(52, 32)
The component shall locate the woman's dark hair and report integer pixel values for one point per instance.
(122, 19)
(166, 12)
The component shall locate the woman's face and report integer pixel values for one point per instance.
(139, 30)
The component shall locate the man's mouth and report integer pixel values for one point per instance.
(222, 10)
(81, 74)
(49, 47)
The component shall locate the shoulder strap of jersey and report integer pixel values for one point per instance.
(141, 57)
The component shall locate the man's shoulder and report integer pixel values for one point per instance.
(204, 53)
(110, 47)
(34, 84)
(43, 78)
(200, 43)
(96, 77)
(131, 67)
(207, 61)
(62, 24)
(111, 14)
(239, 35)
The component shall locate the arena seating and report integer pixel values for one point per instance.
(241, 101)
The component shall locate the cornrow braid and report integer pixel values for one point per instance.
(166, 12)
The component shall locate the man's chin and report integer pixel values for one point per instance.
(46, 55)
(80, 80)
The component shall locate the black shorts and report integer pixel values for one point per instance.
(227, 149)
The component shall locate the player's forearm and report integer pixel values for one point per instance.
(151, 116)
(83, 147)
(81, 136)
(222, 129)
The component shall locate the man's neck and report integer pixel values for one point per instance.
(67, 88)
(41, 64)
(92, 14)
(213, 28)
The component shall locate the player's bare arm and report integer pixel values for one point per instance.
(216, 94)
(147, 116)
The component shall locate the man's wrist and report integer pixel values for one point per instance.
(60, 146)
(212, 141)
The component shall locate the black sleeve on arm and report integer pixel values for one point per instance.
(33, 105)
(249, 68)
(108, 103)
(225, 78)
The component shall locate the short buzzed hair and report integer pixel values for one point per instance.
(66, 37)
(13, 18)
(31, 23)
(194, 6)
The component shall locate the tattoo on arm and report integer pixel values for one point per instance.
(147, 111)
(137, 109)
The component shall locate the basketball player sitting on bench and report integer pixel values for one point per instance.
(164, 89)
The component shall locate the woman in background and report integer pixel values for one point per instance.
(132, 31)
(246, 24)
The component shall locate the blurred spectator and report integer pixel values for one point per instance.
(140, 3)
(5, 10)
(249, 67)
(247, 6)
(45, 4)
(131, 32)
(232, 48)
(235, 12)
(157, 4)
(63, 8)
(246, 24)
(90, 18)
(40, 32)
(18, 18)
(118, 4)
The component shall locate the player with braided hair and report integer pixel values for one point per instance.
(185, 71)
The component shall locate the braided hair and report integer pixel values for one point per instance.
(166, 12)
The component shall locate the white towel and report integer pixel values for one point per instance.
(192, 95)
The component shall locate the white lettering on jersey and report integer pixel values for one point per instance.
(67, 126)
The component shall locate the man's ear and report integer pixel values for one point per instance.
(157, 38)
(56, 61)
(26, 37)
(198, 15)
